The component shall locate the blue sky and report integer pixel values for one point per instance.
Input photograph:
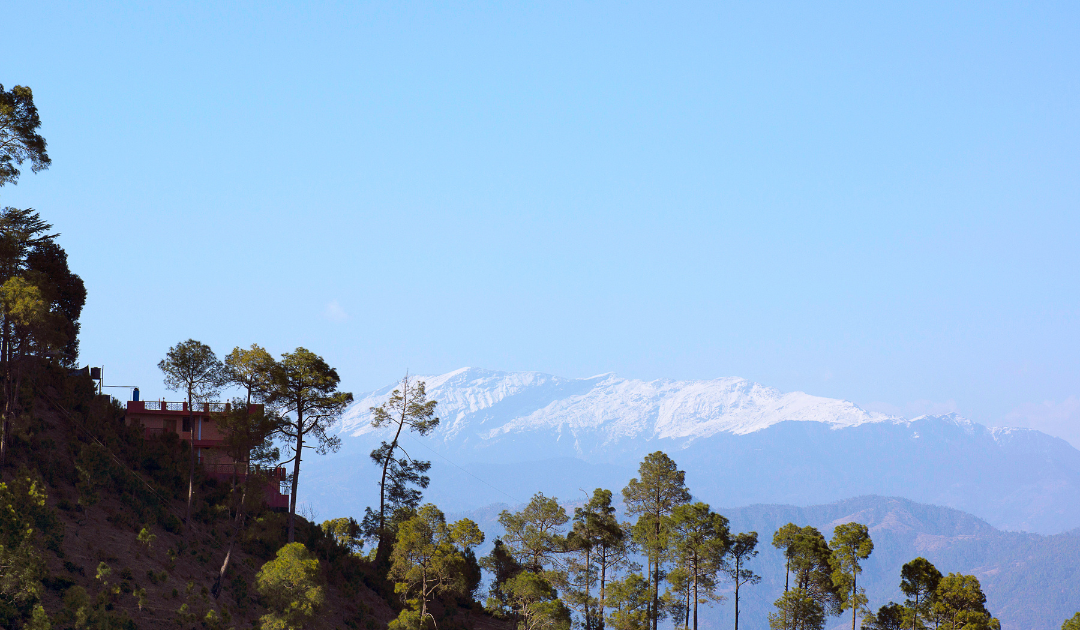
(870, 201)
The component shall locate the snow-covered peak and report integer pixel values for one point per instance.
(487, 405)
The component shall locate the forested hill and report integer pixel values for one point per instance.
(506, 435)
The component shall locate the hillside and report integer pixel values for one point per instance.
(105, 483)
(507, 435)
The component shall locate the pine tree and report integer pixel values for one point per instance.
(918, 580)
(699, 539)
(305, 392)
(533, 535)
(959, 604)
(595, 530)
(407, 408)
(19, 139)
(743, 547)
(661, 488)
(192, 367)
(850, 544)
(784, 538)
(428, 558)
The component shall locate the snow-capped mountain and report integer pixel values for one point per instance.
(505, 435)
(487, 409)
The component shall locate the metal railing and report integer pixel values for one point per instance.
(204, 407)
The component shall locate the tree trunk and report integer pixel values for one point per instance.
(191, 468)
(588, 582)
(382, 552)
(238, 523)
(736, 593)
(603, 592)
(296, 472)
(854, 596)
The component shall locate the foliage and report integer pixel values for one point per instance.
(591, 546)
(345, 532)
(291, 587)
(891, 616)
(428, 558)
(850, 544)
(797, 609)
(24, 519)
(407, 408)
(662, 487)
(699, 540)
(1072, 623)
(535, 603)
(250, 369)
(629, 600)
(192, 367)
(532, 535)
(502, 565)
(305, 392)
(743, 548)
(918, 580)
(959, 603)
(19, 139)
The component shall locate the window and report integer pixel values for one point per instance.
(187, 423)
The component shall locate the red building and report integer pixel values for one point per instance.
(157, 417)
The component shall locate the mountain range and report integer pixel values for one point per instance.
(505, 435)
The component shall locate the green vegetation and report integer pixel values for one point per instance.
(1072, 623)
(408, 407)
(291, 585)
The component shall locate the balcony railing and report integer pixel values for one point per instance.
(161, 405)
(276, 472)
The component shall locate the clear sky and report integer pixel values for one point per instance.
(871, 201)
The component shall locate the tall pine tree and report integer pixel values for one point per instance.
(652, 496)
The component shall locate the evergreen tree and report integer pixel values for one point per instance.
(19, 139)
(813, 596)
(407, 408)
(192, 367)
(39, 310)
(813, 571)
(850, 544)
(699, 540)
(743, 548)
(959, 604)
(533, 535)
(291, 586)
(305, 392)
(918, 580)
(797, 610)
(630, 601)
(1072, 623)
(502, 565)
(661, 488)
(594, 528)
(428, 558)
(535, 604)
(784, 539)
(891, 616)
(345, 532)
